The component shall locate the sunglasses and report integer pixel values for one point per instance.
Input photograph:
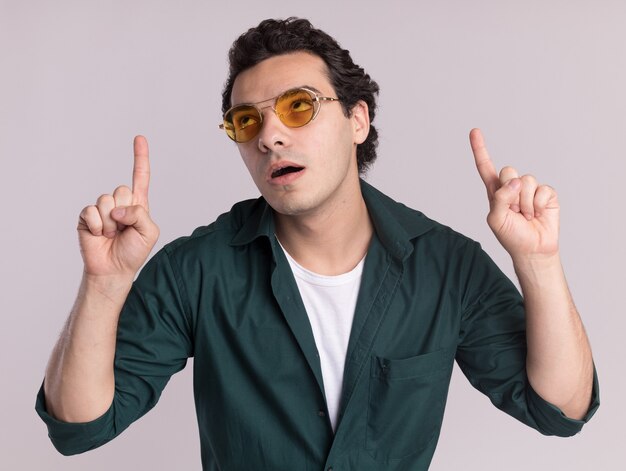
(295, 108)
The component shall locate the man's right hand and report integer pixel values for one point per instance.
(117, 234)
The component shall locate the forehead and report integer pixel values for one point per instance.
(279, 73)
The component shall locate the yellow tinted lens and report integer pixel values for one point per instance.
(242, 123)
(295, 108)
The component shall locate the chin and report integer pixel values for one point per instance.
(289, 209)
(290, 206)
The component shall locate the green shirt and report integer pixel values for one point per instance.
(226, 296)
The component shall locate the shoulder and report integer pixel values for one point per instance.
(217, 236)
(389, 214)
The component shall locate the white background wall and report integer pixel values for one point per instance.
(545, 80)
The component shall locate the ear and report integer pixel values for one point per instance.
(360, 118)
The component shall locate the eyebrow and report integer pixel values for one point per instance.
(310, 87)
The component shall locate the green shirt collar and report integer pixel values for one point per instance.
(395, 224)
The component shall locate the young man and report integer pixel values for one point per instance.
(324, 318)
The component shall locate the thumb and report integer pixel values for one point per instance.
(136, 216)
(506, 196)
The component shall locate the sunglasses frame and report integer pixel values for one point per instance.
(315, 96)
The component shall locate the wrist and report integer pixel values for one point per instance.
(111, 288)
(538, 268)
(536, 261)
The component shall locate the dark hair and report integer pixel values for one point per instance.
(275, 37)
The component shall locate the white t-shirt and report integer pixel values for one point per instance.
(330, 302)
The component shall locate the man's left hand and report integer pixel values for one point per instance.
(523, 215)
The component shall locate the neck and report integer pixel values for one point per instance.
(330, 241)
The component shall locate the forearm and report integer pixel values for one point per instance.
(559, 362)
(80, 382)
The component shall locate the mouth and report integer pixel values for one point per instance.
(280, 171)
(282, 168)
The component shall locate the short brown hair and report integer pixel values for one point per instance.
(275, 37)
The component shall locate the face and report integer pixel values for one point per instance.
(303, 170)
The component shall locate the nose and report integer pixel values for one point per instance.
(274, 134)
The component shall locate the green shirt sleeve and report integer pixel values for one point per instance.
(154, 340)
(492, 349)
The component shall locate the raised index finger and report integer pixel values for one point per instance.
(484, 165)
(141, 172)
